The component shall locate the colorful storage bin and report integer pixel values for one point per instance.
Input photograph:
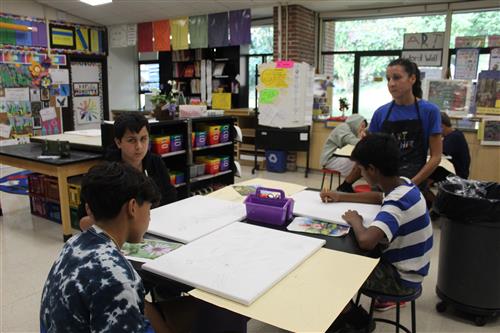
(160, 145)
(263, 206)
(175, 142)
(224, 133)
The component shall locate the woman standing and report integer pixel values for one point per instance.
(414, 122)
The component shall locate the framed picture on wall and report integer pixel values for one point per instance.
(62, 37)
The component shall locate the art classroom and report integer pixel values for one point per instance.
(249, 166)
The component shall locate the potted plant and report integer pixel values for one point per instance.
(165, 105)
(343, 105)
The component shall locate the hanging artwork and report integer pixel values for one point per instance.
(12, 76)
(87, 109)
(453, 96)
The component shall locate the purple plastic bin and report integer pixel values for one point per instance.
(270, 210)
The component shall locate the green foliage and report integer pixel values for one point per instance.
(262, 39)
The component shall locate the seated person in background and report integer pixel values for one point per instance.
(348, 133)
(455, 146)
(402, 228)
(92, 287)
(131, 146)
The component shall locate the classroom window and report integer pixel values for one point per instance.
(480, 23)
(149, 74)
(262, 39)
(253, 62)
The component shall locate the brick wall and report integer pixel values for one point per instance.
(328, 45)
(301, 39)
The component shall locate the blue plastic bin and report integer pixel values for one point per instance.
(276, 160)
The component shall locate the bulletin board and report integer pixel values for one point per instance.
(87, 93)
(29, 87)
(285, 94)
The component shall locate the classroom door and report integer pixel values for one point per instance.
(373, 90)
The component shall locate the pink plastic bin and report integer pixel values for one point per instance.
(269, 208)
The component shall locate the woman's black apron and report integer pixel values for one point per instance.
(410, 137)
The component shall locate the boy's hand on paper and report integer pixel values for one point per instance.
(352, 217)
(328, 196)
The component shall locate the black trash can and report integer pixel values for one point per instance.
(469, 255)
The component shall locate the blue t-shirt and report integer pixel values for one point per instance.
(429, 115)
(93, 288)
(405, 221)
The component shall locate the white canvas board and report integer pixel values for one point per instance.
(308, 203)
(191, 218)
(239, 262)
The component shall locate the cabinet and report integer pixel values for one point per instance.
(183, 159)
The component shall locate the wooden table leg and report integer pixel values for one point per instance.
(62, 180)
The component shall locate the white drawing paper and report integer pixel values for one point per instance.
(17, 94)
(194, 217)
(48, 113)
(239, 262)
(59, 76)
(309, 204)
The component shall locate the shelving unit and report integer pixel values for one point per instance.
(245, 151)
(186, 71)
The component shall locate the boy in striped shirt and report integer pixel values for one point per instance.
(402, 229)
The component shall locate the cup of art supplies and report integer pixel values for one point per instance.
(268, 205)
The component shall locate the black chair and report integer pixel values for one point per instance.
(393, 298)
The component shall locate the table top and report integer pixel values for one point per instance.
(33, 151)
(80, 140)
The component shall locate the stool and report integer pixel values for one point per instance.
(330, 172)
(362, 188)
(393, 298)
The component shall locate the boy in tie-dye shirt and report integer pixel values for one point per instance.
(91, 286)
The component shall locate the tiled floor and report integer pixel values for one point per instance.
(30, 244)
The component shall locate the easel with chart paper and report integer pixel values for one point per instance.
(284, 115)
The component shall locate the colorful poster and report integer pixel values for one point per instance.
(494, 41)
(58, 59)
(13, 76)
(87, 109)
(469, 41)
(148, 250)
(85, 89)
(491, 132)
(495, 60)
(449, 95)
(62, 37)
(488, 92)
(308, 225)
(466, 62)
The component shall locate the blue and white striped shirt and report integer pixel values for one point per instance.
(405, 221)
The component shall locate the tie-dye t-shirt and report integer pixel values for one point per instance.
(93, 288)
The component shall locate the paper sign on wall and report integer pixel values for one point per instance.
(5, 131)
(17, 94)
(424, 40)
(430, 58)
(268, 96)
(48, 113)
(59, 76)
(466, 62)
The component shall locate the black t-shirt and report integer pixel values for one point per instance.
(154, 168)
(455, 145)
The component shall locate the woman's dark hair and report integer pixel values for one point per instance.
(410, 68)
(133, 122)
(108, 186)
(445, 120)
(380, 150)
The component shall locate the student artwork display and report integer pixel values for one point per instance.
(469, 41)
(495, 60)
(466, 62)
(285, 94)
(36, 37)
(488, 92)
(148, 250)
(452, 96)
(87, 94)
(311, 226)
(490, 131)
(12, 76)
(87, 109)
(323, 89)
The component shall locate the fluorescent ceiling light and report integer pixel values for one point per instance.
(96, 2)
